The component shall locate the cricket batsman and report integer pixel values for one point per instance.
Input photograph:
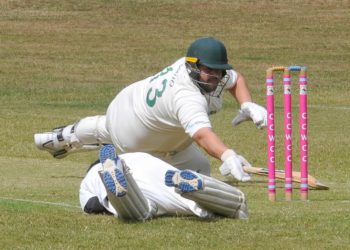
(167, 115)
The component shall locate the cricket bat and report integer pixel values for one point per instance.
(280, 174)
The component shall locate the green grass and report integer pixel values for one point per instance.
(64, 60)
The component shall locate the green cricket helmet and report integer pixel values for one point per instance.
(211, 53)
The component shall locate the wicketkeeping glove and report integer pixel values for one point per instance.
(232, 165)
(251, 111)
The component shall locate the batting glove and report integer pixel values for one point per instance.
(251, 111)
(232, 165)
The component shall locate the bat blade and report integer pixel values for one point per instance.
(280, 174)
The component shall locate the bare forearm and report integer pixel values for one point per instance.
(241, 91)
(210, 142)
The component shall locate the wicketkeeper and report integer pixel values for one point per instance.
(164, 114)
(138, 186)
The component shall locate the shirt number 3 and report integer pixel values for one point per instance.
(153, 93)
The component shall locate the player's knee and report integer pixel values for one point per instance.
(92, 130)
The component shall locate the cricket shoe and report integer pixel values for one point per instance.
(186, 180)
(113, 177)
(107, 151)
(55, 143)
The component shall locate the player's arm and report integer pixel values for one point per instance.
(249, 110)
(240, 90)
(192, 114)
(210, 142)
(214, 146)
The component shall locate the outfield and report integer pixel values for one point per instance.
(61, 61)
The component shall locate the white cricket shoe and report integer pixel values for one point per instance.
(185, 181)
(58, 145)
(53, 142)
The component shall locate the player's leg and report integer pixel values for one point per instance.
(92, 193)
(190, 158)
(209, 193)
(123, 192)
(87, 134)
(149, 172)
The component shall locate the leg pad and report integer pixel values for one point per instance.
(209, 193)
(124, 193)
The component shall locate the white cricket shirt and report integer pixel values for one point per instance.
(161, 113)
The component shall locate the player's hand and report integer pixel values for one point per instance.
(251, 111)
(232, 165)
(241, 117)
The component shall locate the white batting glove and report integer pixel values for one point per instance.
(241, 117)
(251, 111)
(232, 165)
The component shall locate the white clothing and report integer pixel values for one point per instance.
(190, 158)
(161, 113)
(158, 115)
(149, 173)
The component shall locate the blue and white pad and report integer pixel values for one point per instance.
(209, 193)
(123, 192)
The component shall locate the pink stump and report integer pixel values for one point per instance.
(270, 107)
(287, 98)
(303, 119)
